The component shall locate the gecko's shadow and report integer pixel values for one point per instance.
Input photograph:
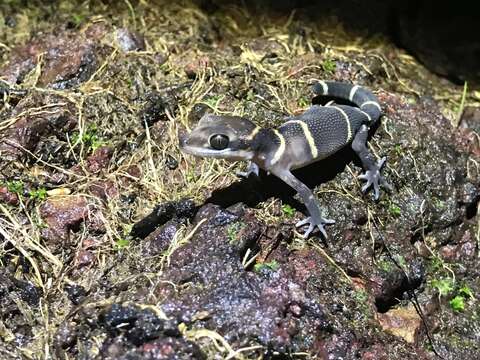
(253, 190)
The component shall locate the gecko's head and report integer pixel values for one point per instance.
(222, 137)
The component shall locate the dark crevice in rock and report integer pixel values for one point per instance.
(398, 286)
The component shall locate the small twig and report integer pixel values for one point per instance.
(462, 105)
(331, 261)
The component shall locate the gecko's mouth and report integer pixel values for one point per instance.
(206, 152)
(228, 154)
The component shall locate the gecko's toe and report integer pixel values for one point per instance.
(381, 162)
(312, 224)
(307, 220)
(374, 179)
(307, 233)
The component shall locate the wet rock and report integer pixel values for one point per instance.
(197, 112)
(168, 348)
(341, 346)
(99, 159)
(471, 118)
(153, 109)
(463, 250)
(161, 214)
(270, 305)
(129, 40)
(194, 66)
(28, 292)
(159, 240)
(76, 293)
(402, 322)
(66, 336)
(11, 286)
(36, 116)
(7, 196)
(84, 258)
(171, 162)
(103, 189)
(117, 314)
(63, 214)
(69, 59)
(391, 286)
(138, 325)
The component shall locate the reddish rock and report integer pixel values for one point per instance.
(402, 322)
(99, 159)
(68, 59)
(194, 66)
(37, 116)
(84, 258)
(103, 189)
(63, 214)
(376, 352)
(129, 40)
(7, 196)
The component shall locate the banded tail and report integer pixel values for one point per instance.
(361, 97)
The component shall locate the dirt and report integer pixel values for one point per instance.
(115, 245)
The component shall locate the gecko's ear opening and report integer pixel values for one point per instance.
(219, 141)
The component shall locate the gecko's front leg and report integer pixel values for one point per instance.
(310, 201)
(252, 169)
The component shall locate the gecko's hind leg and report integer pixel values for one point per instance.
(372, 175)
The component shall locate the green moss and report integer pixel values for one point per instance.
(38, 194)
(394, 210)
(457, 303)
(443, 286)
(329, 66)
(288, 210)
(122, 243)
(233, 230)
(272, 266)
(15, 186)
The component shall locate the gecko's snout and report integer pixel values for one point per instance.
(182, 139)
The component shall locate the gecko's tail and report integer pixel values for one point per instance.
(361, 97)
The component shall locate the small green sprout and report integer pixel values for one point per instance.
(89, 138)
(361, 296)
(394, 210)
(213, 101)
(15, 186)
(122, 243)
(466, 292)
(385, 265)
(272, 265)
(329, 66)
(233, 229)
(303, 102)
(77, 19)
(288, 210)
(398, 149)
(443, 286)
(38, 194)
(250, 95)
(457, 303)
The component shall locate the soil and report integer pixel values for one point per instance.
(115, 245)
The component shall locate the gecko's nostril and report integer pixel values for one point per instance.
(182, 139)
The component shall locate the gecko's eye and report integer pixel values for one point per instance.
(218, 141)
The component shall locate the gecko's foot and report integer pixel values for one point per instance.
(252, 169)
(312, 224)
(374, 178)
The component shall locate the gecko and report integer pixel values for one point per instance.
(299, 141)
